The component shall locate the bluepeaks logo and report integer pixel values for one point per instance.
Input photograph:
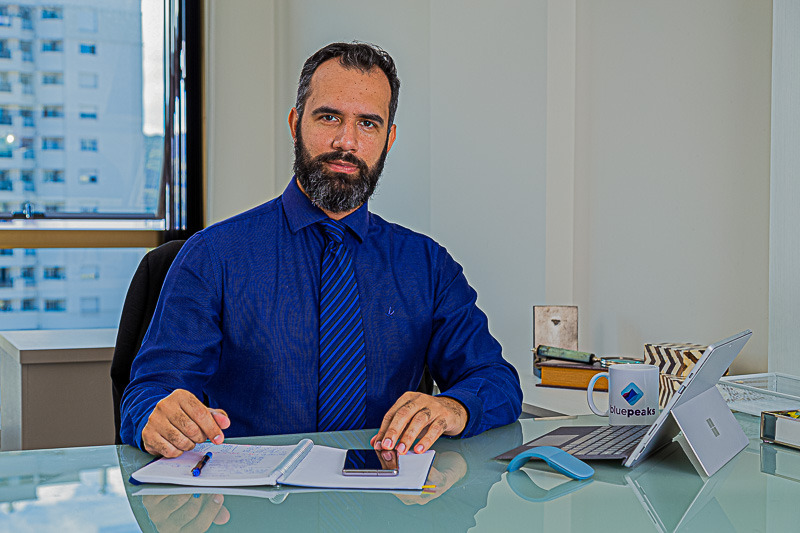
(632, 394)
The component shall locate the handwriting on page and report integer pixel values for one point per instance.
(229, 460)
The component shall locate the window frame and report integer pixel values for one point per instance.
(181, 208)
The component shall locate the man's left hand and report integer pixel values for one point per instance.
(419, 416)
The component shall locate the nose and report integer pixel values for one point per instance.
(346, 138)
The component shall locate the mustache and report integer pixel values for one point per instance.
(345, 157)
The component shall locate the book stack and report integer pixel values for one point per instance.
(674, 362)
(569, 374)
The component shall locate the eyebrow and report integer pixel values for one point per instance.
(325, 110)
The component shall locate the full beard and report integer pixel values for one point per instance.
(335, 192)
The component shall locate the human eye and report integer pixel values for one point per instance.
(368, 124)
(327, 118)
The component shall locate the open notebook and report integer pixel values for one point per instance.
(303, 465)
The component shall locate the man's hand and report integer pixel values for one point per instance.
(416, 415)
(180, 421)
(186, 513)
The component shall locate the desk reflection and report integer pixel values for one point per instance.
(462, 471)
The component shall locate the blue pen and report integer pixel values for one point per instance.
(200, 464)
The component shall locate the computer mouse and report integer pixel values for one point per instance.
(557, 459)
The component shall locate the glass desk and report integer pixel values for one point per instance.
(87, 489)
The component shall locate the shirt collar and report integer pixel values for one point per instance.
(300, 212)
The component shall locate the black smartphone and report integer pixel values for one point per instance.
(370, 463)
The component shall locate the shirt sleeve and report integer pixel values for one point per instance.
(181, 348)
(465, 359)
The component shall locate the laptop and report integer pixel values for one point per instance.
(709, 433)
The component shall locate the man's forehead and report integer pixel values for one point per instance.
(333, 80)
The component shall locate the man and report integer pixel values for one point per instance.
(309, 313)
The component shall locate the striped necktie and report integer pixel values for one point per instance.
(341, 402)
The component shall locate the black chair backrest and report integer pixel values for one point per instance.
(137, 312)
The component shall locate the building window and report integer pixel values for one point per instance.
(5, 278)
(88, 145)
(5, 17)
(24, 13)
(52, 78)
(6, 251)
(53, 111)
(29, 304)
(87, 20)
(5, 182)
(52, 46)
(87, 80)
(26, 47)
(51, 13)
(90, 305)
(56, 272)
(53, 207)
(28, 274)
(88, 112)
(5, 51)
(52, 143)
(5, 83)
(26, 80)
(26, 177)
(88, 176)
(55, 304)
(27, 117)
(53, 176)
(87, 48)
(5, 116)
(27, 153)
(90, 272)
(6, 306)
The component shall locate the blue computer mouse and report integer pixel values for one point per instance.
(557, 459)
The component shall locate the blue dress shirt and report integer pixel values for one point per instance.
(238, 320)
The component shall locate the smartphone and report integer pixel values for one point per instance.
(370, 463)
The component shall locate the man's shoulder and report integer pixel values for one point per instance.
(380, 228)
(265, 214)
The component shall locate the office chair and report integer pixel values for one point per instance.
(137, 312)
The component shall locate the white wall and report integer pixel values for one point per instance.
(610, 154)
(672, 173)
(784, 289)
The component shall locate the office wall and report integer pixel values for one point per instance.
(784, 289)
(640, 128)
(672, 173)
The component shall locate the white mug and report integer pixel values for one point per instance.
(632, 394)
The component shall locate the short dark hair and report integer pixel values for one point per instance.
(362, 56)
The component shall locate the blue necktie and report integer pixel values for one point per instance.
(342, 390)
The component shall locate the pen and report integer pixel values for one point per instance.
(200, 464)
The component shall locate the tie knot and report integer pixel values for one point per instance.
(333, 229)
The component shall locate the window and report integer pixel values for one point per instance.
(51, 13)
(5, 16)
(90, 305)
(52, 143)
(87, 80)
(90, 272)
(26, 80)
(53, 176)
(52, 111)
(6, 251)
(6, 281)
(87, 20)
(52, 78)
(55, 272)
(52, 46)
(26, 47)
(27, 117)
(156, 54)
(6, 306)
(28, 274)
(56, 304)
(5, 116)
(5, 51)
(88, 112)
(88, 176)
(88, 145)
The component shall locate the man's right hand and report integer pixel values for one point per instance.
(180, 421)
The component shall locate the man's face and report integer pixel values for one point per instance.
(342, 139)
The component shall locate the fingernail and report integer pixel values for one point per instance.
(401, 448)
(217, 498)
(387, 443)
(419, 448)
(217, 439)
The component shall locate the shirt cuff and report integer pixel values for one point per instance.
(474, 409)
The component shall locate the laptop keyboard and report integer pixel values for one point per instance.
(606, 440)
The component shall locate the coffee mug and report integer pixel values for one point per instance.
(632, 394)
